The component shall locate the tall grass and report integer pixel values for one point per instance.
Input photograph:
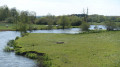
(9, 46)
(8, 49)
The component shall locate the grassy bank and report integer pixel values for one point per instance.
(80, 50)
(4, 28)
(11, 27)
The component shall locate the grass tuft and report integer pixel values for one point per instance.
(8, 49)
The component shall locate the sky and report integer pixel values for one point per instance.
(66, 7)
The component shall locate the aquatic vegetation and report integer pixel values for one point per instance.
(8, 49)
(10, 43)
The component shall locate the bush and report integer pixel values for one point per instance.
(17, 51)
(35, 28)
(16, 38)
(97, 31)
(118, 26)
(85, 26)
(24, 34)
(8, 49)
(49, 27)
(10, 43)
(110, 25)
(10, 20)
(31, 55)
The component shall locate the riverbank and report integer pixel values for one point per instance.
(9, 59)
(11, 27)
(74, 50)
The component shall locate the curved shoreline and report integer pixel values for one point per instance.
(7, 57)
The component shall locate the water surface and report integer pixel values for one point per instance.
(9, 59)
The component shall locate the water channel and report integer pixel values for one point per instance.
(9, 59)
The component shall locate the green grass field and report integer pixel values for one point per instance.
(78, 50)
(12, 26)
(3, 26)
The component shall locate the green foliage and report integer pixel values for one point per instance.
(31, 55)
(76, 21)
(10, 20)
(8, 49)
(22, 27)
(9, 46)
(16, 38)
(110, 25)
(22, 19)
(118, 26)
(4, 12)
(44, 61)
(85, 26)
(24, 34)
(25, 21)
(50, 21)
(10, 43)
(93, 31)
(18, 52)
(15, 16)
(64, 21)
(41, 21)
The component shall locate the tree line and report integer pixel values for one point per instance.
(24, 19)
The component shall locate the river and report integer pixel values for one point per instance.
(9, 59)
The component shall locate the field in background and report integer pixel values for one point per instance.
(95, 23)
(3, 27)
(78, 50)
(12, 26)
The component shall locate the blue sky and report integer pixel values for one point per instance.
(64, 7)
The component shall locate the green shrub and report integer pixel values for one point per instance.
(35, 28)
(93, 31)
(110, 25)
(17, 51)
(31, 55)
(24, 34)
(47, 64)
(85, 26)
(8, 49)
(118, 26)
(10, 20)
(49, 27)
(10, 43)
(16, 38)
(44, 61)
(97, 31)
